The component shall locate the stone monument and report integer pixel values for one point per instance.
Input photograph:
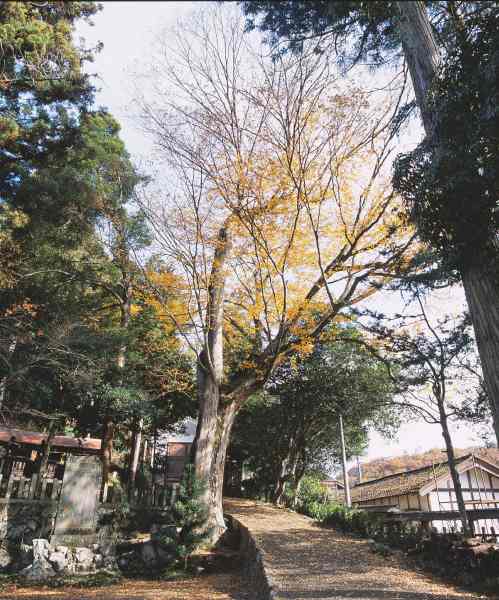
(76, 520)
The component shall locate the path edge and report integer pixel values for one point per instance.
(254, 568)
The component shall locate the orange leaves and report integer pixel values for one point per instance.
(163, 292)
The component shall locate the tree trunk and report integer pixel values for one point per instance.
(346, 483)
(452, 467)
(482, 295)
(134, 458)
(45, 458)
(420, 52)
(107, 454)
(3, 381)
(286, 471)
(480, 283)
(214, 430)
(214, 421)
(299, 474)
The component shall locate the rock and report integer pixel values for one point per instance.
(124, 560)
(148, 554)
(58, 561)
(38, 570)
(26, 554)
(84, 555)
(41, 549)
(110, 564)
(107, 549)
(95, 548)
(5, 559)
(62, 550)
(98, 560)
(164, 557)
(84, 558)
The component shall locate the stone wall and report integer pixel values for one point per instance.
(253, 562)
(22, 520)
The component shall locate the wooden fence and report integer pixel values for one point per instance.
(393, 516)
(18, 479)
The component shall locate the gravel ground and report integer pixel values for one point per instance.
(307, 562)
(220, 586)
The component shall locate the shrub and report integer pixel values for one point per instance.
(188, 517)
(311, 495)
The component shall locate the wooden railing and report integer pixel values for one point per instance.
(159, 495)
(394, 516)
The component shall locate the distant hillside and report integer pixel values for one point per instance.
(397, 464)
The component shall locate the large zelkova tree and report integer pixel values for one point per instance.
(451, 51)
(279, 216)
(293, 427)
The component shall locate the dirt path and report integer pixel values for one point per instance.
(307, 562)
(226, 586)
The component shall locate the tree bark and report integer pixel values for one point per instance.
(134, 458)
(214, 421)
(480, 284)
(286, 472)
(348, 500)
(421, 54)
(300, 473)
(45, 458)
(3, 381)
(107, 454)
(482, 296)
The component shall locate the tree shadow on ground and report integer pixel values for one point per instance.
(353, 594)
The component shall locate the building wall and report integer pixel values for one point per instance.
(480, 490)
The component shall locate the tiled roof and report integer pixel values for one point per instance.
(35, 438)
(400, 483)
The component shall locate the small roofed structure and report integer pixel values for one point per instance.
(431, 489)
(60, 442)
(335, 489)
(21, 454)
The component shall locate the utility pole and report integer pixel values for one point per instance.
(348, 500)
(359, 468)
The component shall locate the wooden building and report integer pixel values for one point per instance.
(335, 489)
(430, 488)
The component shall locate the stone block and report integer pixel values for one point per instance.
(58, 560)
(41, 549)
(62, 549)
(39, 570)
(5, 559)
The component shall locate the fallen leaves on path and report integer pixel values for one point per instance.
(308, 562)
(226, 586)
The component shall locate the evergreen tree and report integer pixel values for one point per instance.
(189, 517)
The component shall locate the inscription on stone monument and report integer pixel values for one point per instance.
(77, 514)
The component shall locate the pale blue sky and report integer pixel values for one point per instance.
(127, 30)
